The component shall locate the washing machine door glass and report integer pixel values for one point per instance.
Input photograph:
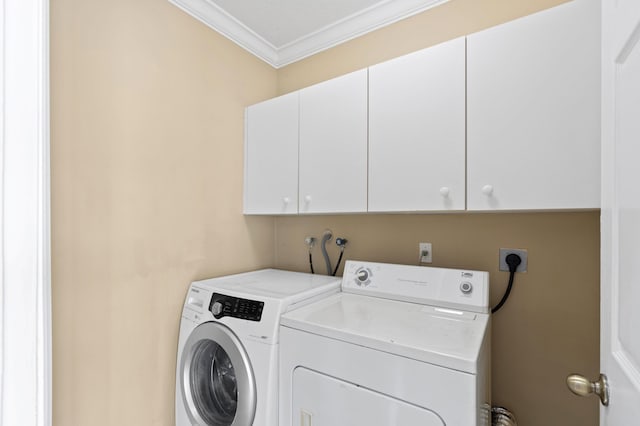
(218, 385)
(213, 383)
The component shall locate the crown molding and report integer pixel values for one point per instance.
(219, 20)
(353, 26)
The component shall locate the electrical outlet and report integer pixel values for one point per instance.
(425, 254)
(504, 252)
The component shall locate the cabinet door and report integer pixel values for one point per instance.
(333, 145)
(533, 99)
(417, 131)
(271, 156)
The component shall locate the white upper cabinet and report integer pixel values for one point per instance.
(333, 145)
(271, 156)
(534, 111)
(417, 131)
(392, 138)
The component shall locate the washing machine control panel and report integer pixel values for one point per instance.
(229, 306)
(363, 276)
(460, 289)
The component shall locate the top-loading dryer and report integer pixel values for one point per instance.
(227, 363)
(400, 345)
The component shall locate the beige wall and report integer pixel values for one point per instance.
(550, 326)
(147, 153)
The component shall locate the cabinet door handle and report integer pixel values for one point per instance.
(286, 200)
(444, 191)
(307, 199)
(487, 190)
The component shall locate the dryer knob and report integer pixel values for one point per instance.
(216, 308)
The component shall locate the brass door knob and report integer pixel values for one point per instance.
(583, 387)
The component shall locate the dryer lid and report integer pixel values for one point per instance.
(440, 336)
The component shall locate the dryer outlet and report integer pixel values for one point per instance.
(504, 252)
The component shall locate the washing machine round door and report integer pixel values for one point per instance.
(218, 385)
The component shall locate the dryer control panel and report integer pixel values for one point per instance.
(228, 306)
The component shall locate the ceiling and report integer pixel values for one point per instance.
(281, 32)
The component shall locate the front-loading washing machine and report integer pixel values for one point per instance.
(227, 362)
(400, 345)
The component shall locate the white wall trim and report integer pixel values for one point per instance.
(25, 290)
(352, 27)
(367, 20)
(216, 18)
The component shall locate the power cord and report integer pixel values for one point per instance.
(513, 261)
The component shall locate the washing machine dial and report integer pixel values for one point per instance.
(363, 277)
(216, 308)
(466, 287)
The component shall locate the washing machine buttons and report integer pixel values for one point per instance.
(466, 287)
(227, 306)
